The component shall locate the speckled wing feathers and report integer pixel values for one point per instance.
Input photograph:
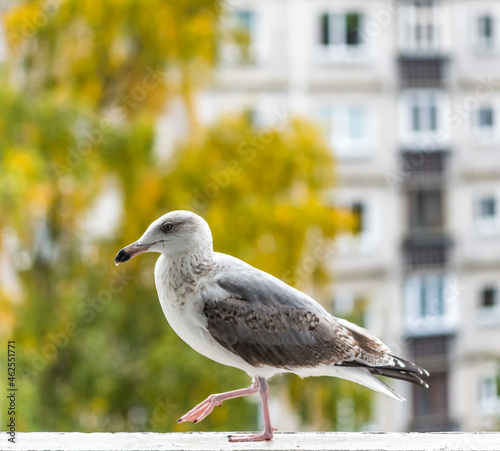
(266, 322)
(279, 336)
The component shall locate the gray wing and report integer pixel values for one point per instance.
(266, 322)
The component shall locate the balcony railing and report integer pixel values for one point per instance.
(422, 72)
(426, 253)
(431, 351)
(434, 346)
(422, 161)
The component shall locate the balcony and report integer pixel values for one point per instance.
(422, 161)
(422, 167)
(432, 351)
(422, 72)
(438, 346)
(429, 252)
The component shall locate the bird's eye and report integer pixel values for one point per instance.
(167, 227)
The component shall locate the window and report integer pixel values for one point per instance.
(420, 27)
(489, 297)
(240, 45)
(485, 32)
(487, 207)
(340, 29)
(423, 112)
(359, 214)
(245, 19)
(484, 122)
(426, 210)
(485, 117)
(356, 124)
(489, 304)
(421, 119)
(431, 298)
(364, 235)
(430, 301)
(348, 131)
(487, 217)
(340, 34)
(489, 393)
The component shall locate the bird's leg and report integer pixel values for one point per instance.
(267, 434)
(204, 409)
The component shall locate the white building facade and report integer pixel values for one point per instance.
(408, 93)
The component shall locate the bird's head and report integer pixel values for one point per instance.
(176, 232)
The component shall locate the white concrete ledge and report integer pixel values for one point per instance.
(75, 441)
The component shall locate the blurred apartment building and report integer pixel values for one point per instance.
(408, 95)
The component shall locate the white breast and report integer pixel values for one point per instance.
(185, 316)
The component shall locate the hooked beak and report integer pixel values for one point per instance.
(131, 251)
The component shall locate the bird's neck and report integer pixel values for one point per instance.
(182, 271)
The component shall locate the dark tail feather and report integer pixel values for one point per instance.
(410, 367)
(402, 369)
(398, 374)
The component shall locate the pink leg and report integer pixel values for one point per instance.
(204, 409)
(268, 429)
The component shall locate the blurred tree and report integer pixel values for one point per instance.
(112, 53)
(88, 79)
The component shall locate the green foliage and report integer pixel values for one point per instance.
(94, 351)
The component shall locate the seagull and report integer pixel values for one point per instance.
(242, 317)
